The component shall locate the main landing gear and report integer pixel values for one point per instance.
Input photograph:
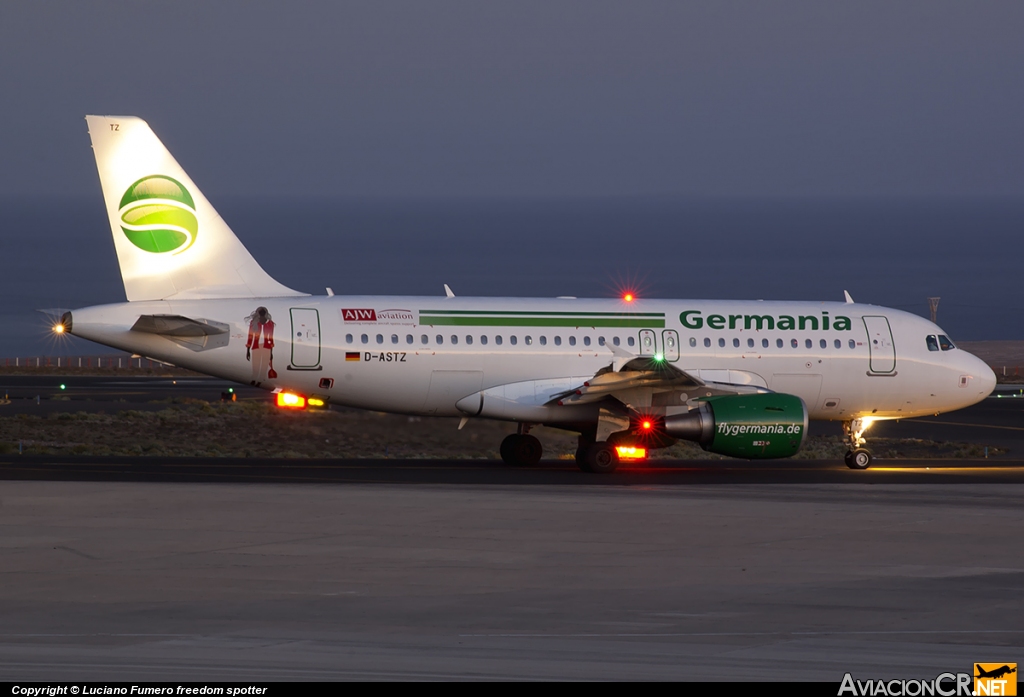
(857, 457)
(521, 449)
(598, 457)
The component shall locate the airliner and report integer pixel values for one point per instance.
(629, 375)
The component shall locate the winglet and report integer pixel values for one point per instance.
(622, 356)
(849, 298)
(448, 291)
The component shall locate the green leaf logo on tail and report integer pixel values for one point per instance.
(158, 215)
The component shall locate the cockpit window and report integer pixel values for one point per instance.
(945, 344)
(933, 343)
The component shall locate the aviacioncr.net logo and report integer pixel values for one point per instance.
(158, 215)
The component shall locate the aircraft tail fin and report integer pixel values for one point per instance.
(170, 241)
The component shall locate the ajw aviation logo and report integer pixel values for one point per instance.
(158, 215)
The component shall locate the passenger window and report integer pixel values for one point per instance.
(348, 338)
(408, 338)
(764, 343)
(750, 343)
(529, 341)
(423, 339)
(853, 344)
(365, 339)
(543, 341)
(394, 338)
(586, 341)
(795, 343)
(630, 341)
(513, 340)
(455, 339)
(839, 344)
(616, 340)
(469, 338)
(945, 343)
(440, 339)
(558, 341)
(600, 341)
(380, 338)
(497, 340)
(572, 341)
(735, 343)
(483, 339)
(808, 343)
(779, 343)
(707, 342)
(823, 343)
(693, 342)
(721, 343)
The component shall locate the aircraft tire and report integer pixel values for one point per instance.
(602, 458)
(508, 448)
(859, 459)
(528, 451)
(520, 450)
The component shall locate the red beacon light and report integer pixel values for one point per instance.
(290, 400)
(628, 297)
(646, 425)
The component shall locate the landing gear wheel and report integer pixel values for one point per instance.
(859, 459)
(507, 448)
(601, 458)
(520, 450)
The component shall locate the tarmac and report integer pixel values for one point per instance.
(256, 570)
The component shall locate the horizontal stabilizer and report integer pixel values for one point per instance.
(178, 326)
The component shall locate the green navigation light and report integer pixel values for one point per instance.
(62, 386)
(658, 357)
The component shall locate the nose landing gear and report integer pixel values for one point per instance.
(857, 457)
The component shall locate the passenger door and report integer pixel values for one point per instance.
(880, 344)
(305, 339)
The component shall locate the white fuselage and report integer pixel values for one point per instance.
(422, 355)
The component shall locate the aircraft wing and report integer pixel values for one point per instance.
(644, 381)
(638, 373)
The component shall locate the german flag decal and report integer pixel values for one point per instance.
(351, 355)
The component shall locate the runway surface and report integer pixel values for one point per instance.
(559, 473)
(794, 581)
(250, 569)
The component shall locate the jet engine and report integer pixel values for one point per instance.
(753, 426)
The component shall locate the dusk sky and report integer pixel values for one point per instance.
(525, 98)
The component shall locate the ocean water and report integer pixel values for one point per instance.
(57, 253)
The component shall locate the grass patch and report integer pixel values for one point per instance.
(196, 428)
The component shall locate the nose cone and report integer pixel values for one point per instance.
(982, 381)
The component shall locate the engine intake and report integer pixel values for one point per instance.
(756, 426)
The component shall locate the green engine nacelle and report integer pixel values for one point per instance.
(755, 426)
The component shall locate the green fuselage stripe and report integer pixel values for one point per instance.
(541, 314)
(575, 321)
